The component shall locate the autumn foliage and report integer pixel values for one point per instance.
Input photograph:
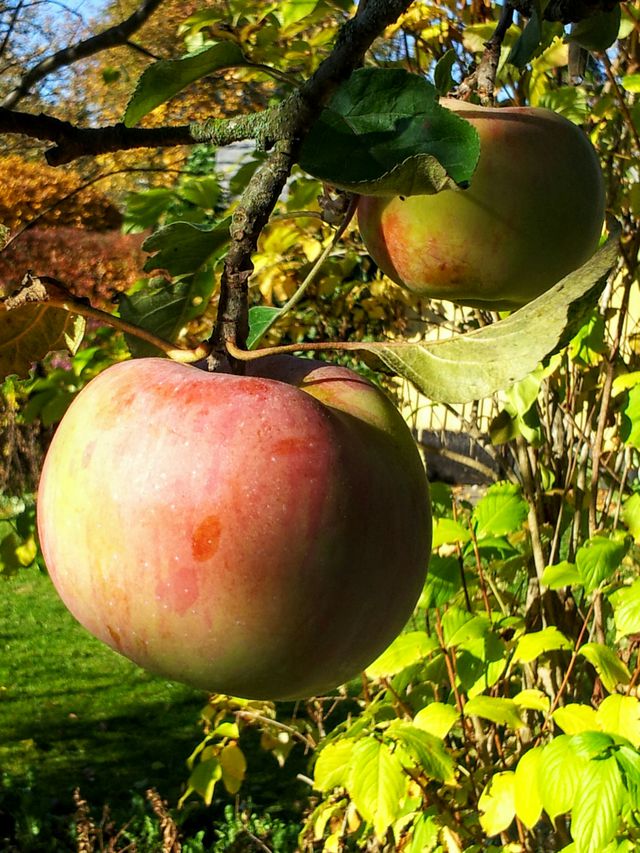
(54, 196)
(91, 264)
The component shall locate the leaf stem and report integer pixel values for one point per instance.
(313, 273)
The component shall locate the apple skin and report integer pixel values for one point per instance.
(264, 536)
(533, 214)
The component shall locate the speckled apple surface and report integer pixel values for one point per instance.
(264, 536)
(533, 214)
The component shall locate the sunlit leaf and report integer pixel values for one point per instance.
(530, 646)
(405, 650)
(436, 718)
(164, 79)
(476, 364)
(596, 810)
(527, 797)
(560, 774)
(561, 574)
(620, 715)
(233, 765)
(608, 665)
(378, 783)
(626, 609)
(574, 718)
(425, 749)
(333, 766)
(497, 803)
(598, 559)
(502, 510)
(503, 712)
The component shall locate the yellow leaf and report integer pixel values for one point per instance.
(234, 767)
(497, 803)
(528, 800)
(620, 715)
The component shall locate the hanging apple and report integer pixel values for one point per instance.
(533, 214)
(264, 535)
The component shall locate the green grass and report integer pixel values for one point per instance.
(73, 713)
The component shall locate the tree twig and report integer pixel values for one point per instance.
(111, 37)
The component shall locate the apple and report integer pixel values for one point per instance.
(533, 214)
(264, 536)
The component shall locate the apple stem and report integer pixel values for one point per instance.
(315, 269)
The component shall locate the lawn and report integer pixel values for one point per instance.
(73, 713)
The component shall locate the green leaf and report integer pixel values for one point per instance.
(424, 835)
(596, 810)
(476, 364)
(620, 715)
(182, 248)
(527, 45)
(631, 515)
(233, 765)
(164, 79)
(260, 318)
(631, 82)
(425, 749)
(292, 11)
(629, 763)
(203, 780)
(598, 559)
(333, 766)
(405, 650)
(436, 718)
(497, 803)
(560, 773)
(377, 784)
(527, 797)
(163, 310)
(597, 32)
(532, 700)
(144, 209)
(574, 718)
(203, 191)
(443, 581)
(630, 426)
(459, 626)
(562, 574)
(593, 744)
(607, 664)
(626, 609)
(446, 531)
(442, 72)
(503, 712)
(384, 133)
(531, 646)
(502, 510)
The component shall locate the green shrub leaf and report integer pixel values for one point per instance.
(596, 810)
(607, 664)
(497, 803)
(405, 650)
(626, 609)
(378, 783)
(562, 574)
(598, 559)
(531, 646)
(527, 797)
(502, 510)
(503, 712)
(574, 718)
